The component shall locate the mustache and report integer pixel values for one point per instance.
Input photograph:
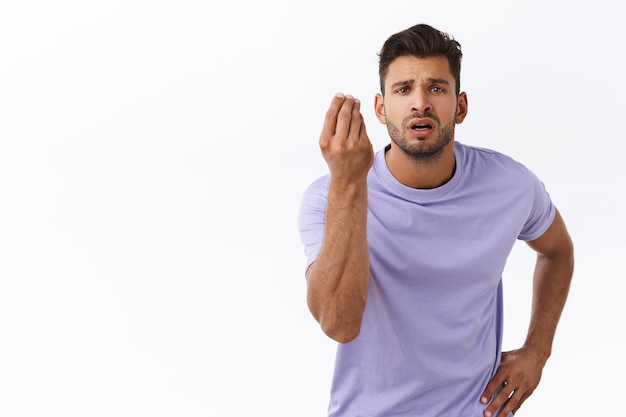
(421, 115)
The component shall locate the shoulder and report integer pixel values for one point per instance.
(479, 152)
(485, 159)
(315, 195)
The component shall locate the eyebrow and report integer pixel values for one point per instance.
(411, 81)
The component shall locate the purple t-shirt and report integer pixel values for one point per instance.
(431, 334)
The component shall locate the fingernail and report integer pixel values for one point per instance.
(484, 400)
(487, 413)
(340, 95)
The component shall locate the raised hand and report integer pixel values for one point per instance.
(344, 142)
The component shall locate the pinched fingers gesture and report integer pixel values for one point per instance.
(344, 142)
(516, 379)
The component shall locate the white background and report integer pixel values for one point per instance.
(152, 158)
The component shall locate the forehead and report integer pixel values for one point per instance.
(419, 69)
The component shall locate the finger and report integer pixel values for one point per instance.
(520, 402)
(344, 118)
(355, 122)
(330, 121)
(511, 403)
(506, 399)
(363, 132)
(496, 384)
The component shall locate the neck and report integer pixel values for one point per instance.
(426, 173)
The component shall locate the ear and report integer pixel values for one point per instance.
(461, 108)
(379, 108)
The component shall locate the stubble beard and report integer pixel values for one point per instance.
(422, 153)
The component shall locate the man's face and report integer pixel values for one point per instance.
(420, 106)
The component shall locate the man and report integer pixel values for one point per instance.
(406, 247)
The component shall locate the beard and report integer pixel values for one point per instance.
(422, 153)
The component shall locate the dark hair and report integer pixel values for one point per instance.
(420, 41)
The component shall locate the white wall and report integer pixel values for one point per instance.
(152, 157)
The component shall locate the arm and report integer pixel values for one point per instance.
(337, 282)
(520, 370)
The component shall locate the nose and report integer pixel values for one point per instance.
(420, 102)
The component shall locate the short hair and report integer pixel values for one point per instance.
(420, 41)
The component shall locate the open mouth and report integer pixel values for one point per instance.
(421, 126)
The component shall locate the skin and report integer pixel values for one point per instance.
(338, 281)
(419, 91)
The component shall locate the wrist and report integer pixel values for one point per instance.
(542, 352)
(349, 188)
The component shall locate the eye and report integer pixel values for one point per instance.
(436, 89)
(402, 90)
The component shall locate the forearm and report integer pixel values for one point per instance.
(338, 279)
(552, 277)
(521, 369)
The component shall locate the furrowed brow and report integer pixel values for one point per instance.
(411, 82)
(438, 81)
(402, 83)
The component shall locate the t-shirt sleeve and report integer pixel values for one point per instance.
(311, 220)
(542, 211)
